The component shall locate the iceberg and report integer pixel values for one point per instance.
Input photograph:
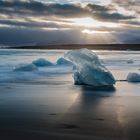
(27, 67)
(63, 61)
(41, 62)
(133, 77)
(88, 69)
(130, 61)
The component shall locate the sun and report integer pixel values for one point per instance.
(90, 22)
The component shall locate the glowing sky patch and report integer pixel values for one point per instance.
(94, 32)
(90, 22)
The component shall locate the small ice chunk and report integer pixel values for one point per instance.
(63, 61)
(41, 62)
(130, 61)
(128, 50)
(88, 69)
(27, 67)
(133, 77)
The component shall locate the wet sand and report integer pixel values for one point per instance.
(61, 110)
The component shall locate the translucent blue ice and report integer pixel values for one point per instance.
(88, 69)
(133, 77)
(63, 61)
(41, 62)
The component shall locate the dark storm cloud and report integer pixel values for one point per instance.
(20, 36)
(112, 16)
(39, 9)
(34, 8)
(34, 16)
(129, 36)
(106, 13)
(99, 8)
(29, 24)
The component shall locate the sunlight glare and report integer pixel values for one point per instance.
(94, 32)
(90, 22)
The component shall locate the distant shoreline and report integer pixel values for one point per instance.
(89, 46)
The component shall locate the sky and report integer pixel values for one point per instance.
(42, 22)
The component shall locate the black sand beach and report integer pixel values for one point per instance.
(54, 111)
(45, 104)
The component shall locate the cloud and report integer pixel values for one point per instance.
(129, 36)
(132, 5)
(29, 21)
(20, 36)
(34, 8)
(111, 16)
(35, 14)
(30, 24)
(39, 9)
(107, 13)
